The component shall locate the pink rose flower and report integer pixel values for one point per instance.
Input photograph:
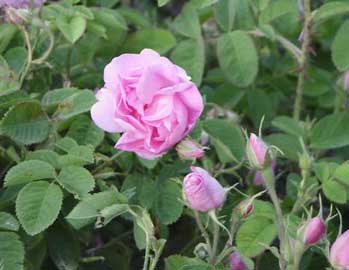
(148, 99)
(236, 262)
(339, 253)
(19, 3)
(314, 231)
(202, 191)
(190, 149)
(256, 150)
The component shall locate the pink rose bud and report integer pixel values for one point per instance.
(202, 191)
(256, 151)
(20, 3)
(258, 177)
(314, 231)
(190, 149)
(339, 252)
(244, 208)
(150, 100)
(236, 262)
(346, 80)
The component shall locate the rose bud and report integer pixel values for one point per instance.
(236, 262)
(244, 208)
(148, 99)
(314, 231)
(202, 191)
(190, 149)
(339, 252)
(346, 80)
(258, 177)
(257, 152)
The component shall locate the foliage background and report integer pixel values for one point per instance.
(243, 55)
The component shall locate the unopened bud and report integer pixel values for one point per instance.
(190, 149)
(346, 80)
(244, 208)
(257, 152)
(314, 231)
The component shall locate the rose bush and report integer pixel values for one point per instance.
(174, 135)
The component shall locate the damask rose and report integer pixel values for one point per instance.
(314, 231)
(339, 252)
(150, 100)
(190, 149)
(202, 191)
(256, 151)
(20, 3)
(236, 262)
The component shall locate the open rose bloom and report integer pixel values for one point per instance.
(148, 99)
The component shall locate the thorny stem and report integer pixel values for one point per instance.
(303, 60)
(147, 254)
(270, 185)
(203, 232)
(214, 243)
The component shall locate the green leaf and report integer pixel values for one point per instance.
(342, 173)
(135, 17)
(168, 206)
(71, 28)
(54, 98)
(254, 234)
(110, 212)
(224, 12)
(288, 144)
(162, 3)
(190, 55)
(11, 251)
(187, 22)
(227, 139)
(177, 262)
(28, 171)
(288, 125)
(16, 59)
(8, 222)
(25, 123)
(75, 104)
(84, 131)
(76, 180)
(323, 171)
(277, 9)
(46, 156)
(87, 210)
(157, 39)
(143, 189)
(7, 32)
(331, 9)
(63, 247)
(238, 58)
(38, 205)
(332, 131)
(66, 144)
(335, 191)
(340, 53)
(260, 105)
